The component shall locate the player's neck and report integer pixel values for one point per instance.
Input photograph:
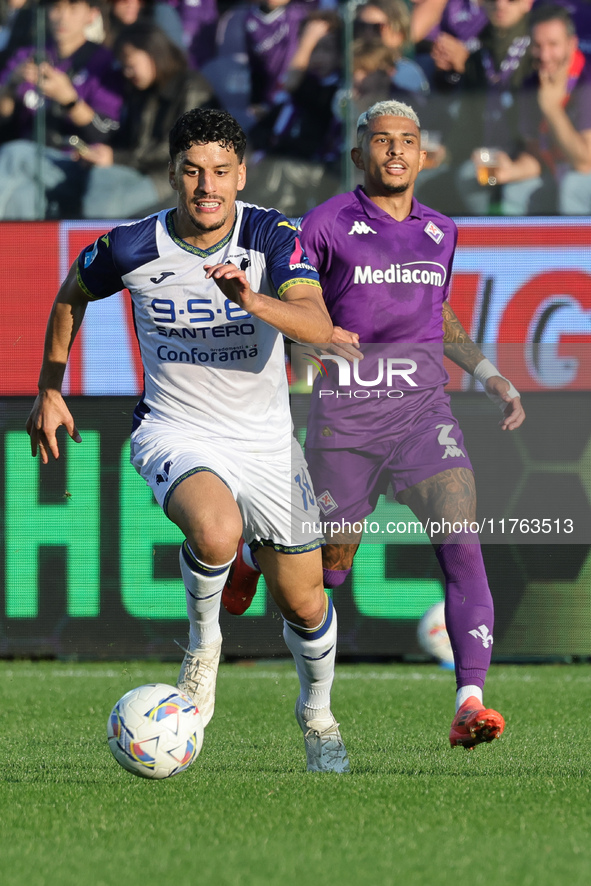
(396, 205)
(186, 230)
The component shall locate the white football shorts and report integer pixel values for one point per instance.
(272, 490)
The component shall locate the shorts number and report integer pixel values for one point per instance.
(306, 489)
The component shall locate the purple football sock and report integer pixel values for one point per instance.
(469, 612)
(333, 578)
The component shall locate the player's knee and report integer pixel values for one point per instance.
(307, 612)
(213, 545)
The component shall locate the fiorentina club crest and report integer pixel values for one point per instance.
(434, 232)
(326, 502)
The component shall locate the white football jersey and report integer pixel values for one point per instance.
(209, 366)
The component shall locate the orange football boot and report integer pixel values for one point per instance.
(474, 724)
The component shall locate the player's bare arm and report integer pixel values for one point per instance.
(300, 315)
(461, 350)
(457, 344)
(49, 410)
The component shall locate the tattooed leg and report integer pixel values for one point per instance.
(337, 557)
(449, 496)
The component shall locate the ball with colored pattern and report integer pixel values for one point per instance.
(155, 731)
(432, 634)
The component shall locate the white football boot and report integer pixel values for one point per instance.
(325, 750)
(198, 675)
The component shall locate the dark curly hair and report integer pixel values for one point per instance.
(203, 125)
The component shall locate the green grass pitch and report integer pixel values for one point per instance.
(412, 811)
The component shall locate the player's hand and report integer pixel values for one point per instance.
(498, 389)
(345, 344)
(49, 412)
(233, 283)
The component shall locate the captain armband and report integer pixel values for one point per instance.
(486, 370)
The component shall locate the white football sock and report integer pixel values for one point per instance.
(465, 692)
(314, 652)
(203, 590)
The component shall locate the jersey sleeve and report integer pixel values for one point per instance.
(287, 262)
(97, 273)
(447, 286)
(315, 241)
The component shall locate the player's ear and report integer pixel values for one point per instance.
(422, 158)
(241, 177)
(172, 176)
(357, 158)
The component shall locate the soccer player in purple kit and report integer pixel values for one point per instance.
(385, 266)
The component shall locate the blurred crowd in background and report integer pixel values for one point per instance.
(90, 88)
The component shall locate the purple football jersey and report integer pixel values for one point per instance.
(271, 40)
(199, 19)
(97, 81)
(463, 19)
(387, 281)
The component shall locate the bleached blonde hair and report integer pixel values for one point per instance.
(388, 108)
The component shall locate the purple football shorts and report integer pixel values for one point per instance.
(348, 482)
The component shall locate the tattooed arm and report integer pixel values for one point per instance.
(460, 349)
(457, 344)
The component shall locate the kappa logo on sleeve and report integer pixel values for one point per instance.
(434, 232)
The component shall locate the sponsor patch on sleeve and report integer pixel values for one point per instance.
(90, 256)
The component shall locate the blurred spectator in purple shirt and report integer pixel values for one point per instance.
(17, 19)
(229, 69)
(75, 91)
(552, 173)
(389, 21)
(199, 19)
(128, 12)
(272, 32)
(445, 33)
(580, 13)
(490, 87)
(297, 144)
(129, 177)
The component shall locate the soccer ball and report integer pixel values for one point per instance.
(155, 731)
(432, 634)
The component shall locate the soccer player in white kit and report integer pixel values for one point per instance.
(215, 284)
